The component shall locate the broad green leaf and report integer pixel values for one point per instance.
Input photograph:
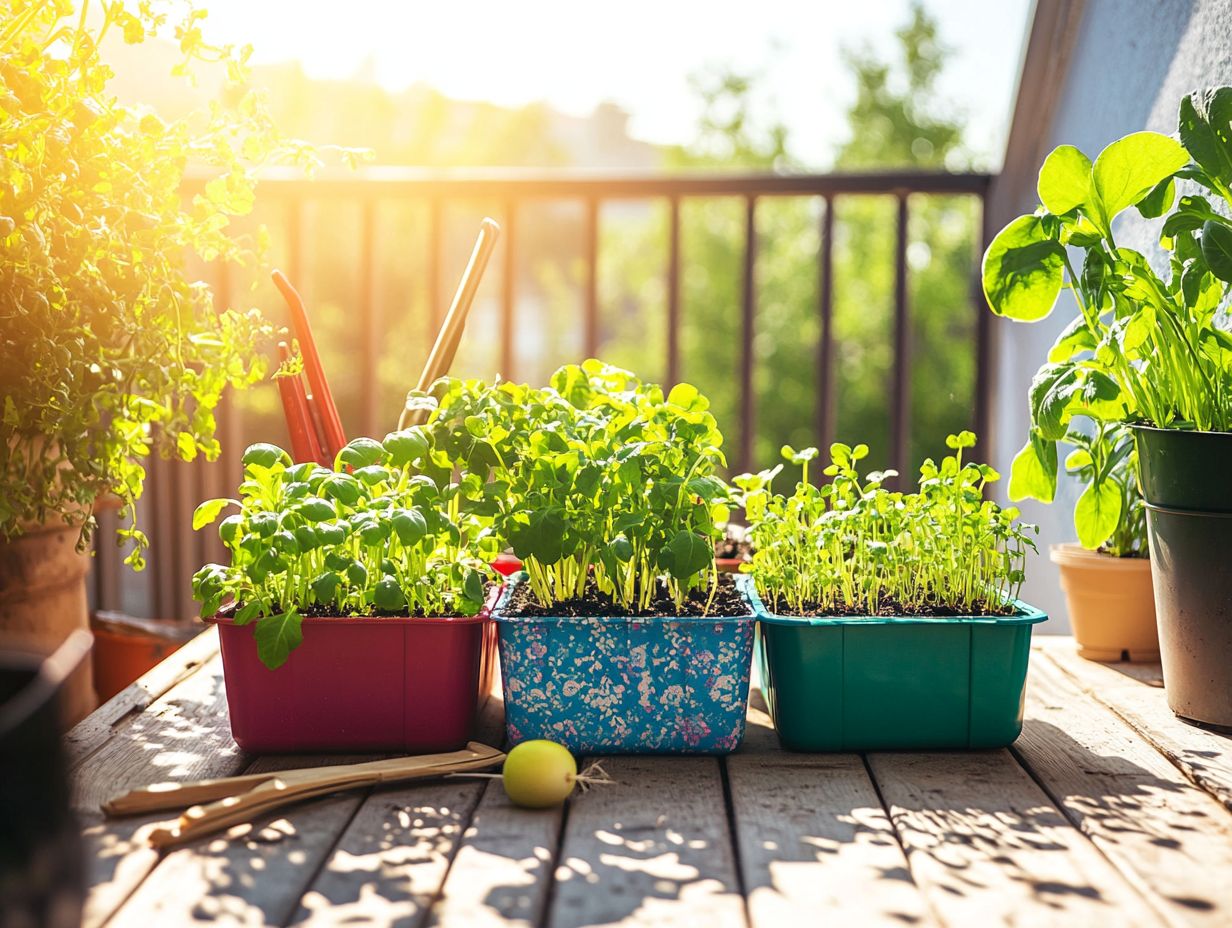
(1064, 179)
(1205, 127)
(277, 636)
(472, 587)
(1217, 249)
(1076, 337)
(410, 526)
(207, 512)
(405, 446)
(265, 455)
(1159, 200)
(1033, 473)
(1052, 390)
(359, 452)
(1023, 271)
(686, 554)
(388, 596)
(324, 586)
(1097, 513)
(1129, 168)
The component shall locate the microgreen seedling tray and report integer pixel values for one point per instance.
(855, 683)
(619, 685)
(360, 684)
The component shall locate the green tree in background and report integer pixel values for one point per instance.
(895, 121)
(898, 120)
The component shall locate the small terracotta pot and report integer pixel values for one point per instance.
(125, 648)
(1111, 604)
(43, 599)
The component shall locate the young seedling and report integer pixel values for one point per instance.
(598, 479)
(373, 536)
(852, 547)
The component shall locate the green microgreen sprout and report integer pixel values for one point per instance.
(598, 478)
(373, 536)
(853, 547)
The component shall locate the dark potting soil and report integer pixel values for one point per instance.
(727, 602)
(888, 610)
(318, 611)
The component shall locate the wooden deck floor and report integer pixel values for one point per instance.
(1107, 811)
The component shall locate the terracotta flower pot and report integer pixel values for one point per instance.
(126, 647)
(1111, 604)
(43, 599)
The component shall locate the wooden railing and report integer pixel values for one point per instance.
(173, 489)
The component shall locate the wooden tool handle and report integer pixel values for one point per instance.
(447, 339)
(277, 792)
(166, 796)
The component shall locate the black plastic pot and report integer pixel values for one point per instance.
(40, 843)
(1186, 482)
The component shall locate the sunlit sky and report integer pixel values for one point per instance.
(639, 54)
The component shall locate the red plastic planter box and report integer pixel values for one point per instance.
(360, 684)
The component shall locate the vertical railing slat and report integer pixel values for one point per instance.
(590, 332)
(900, 414)
(508, 293)
(983, 338)
(825, 343)
(436, 311)
(673, 292)
(748, 404)
(370, 321)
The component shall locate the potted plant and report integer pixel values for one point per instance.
(373, 575)
(1106, 576)
(1150, 348)
(889, 620)
(619, 636)
(112, 349)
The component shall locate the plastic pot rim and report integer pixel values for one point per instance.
(1026, 615)
(226, 616)
(1174, 511)
(1072, 554)
(502, 601)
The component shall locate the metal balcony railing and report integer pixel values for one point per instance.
(173, 489)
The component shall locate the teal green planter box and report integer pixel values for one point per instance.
(874, 683)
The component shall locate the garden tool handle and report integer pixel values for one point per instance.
(440, 359)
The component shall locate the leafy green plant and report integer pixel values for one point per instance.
(596, 476)
(111, 348)
(1109, 515)
(852, 547)
(370, 537)
(1144, 348)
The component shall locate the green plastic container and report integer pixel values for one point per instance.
(872, 683)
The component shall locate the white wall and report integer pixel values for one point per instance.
(1132, 63)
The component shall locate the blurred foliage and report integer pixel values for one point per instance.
(111, 348)
(896, 121)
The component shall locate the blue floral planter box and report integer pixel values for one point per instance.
(616, 685)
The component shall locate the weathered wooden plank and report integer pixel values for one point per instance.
(387, 863)
(653, 848)
(1135, 693)
(502, 872)
(1170, 836)
(390, 861)
(183, 735)
(813, 838)
(252, 874)
(92, 732)
(988, 847)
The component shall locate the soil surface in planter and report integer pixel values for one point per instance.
(888, 609)
(727, 602)
(328, 611)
